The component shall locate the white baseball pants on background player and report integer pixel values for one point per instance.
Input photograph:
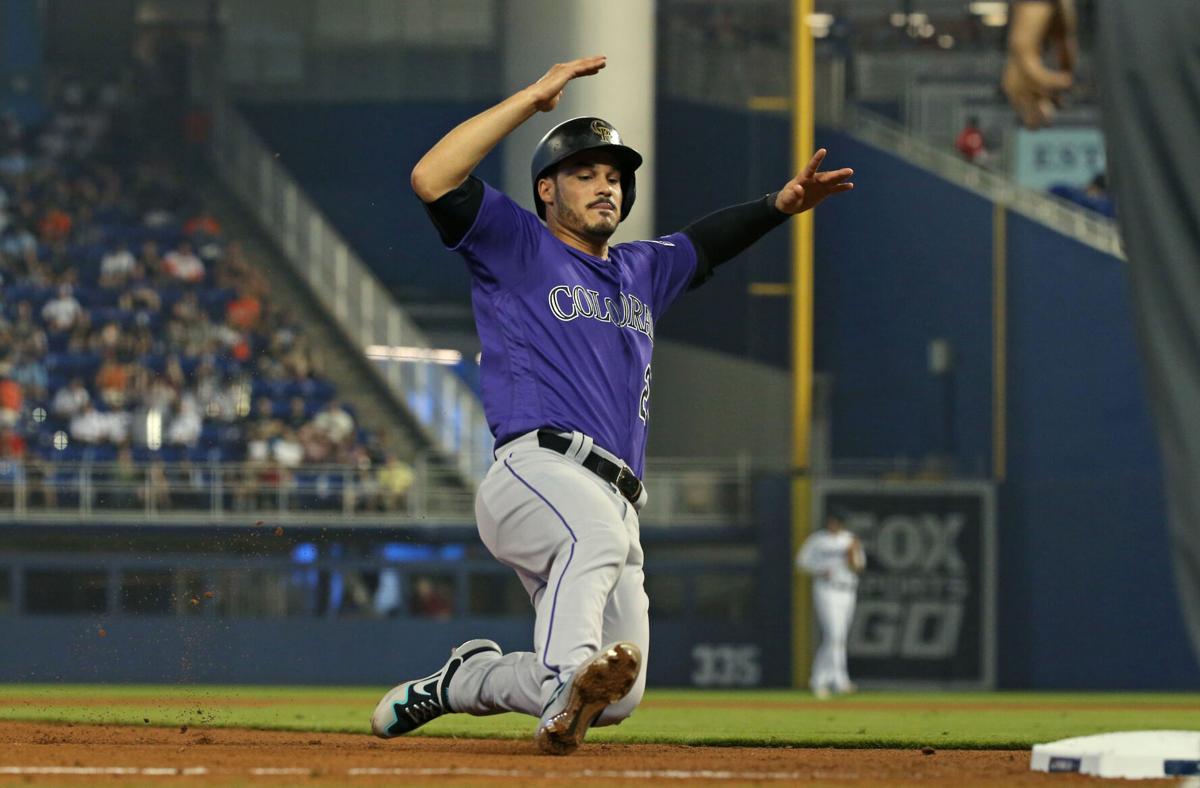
(574, 542)
(834, 605)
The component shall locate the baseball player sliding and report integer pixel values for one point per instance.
(567, 327)
(834, 557)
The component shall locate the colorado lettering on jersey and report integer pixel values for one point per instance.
(568, 303)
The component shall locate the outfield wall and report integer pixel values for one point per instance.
(1086, 598)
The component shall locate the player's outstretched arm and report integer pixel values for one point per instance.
(811, 186)
(723, 235)
(448, 163)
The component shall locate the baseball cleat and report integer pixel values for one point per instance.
(578, 702)
(410, 705)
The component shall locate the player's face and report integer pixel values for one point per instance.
(586, 195)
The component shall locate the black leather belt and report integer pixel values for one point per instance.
(620, 476)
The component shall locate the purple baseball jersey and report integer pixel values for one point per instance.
(567, 337)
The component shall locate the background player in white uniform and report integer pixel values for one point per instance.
(567, 328)
(834, 557)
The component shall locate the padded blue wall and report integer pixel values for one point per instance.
(354, 161)
(1088, 596)
(904, 259)
(709, 158)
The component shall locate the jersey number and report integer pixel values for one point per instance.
(644, 403)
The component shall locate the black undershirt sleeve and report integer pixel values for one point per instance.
(454, 212)
(722, 235)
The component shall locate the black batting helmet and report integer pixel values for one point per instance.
(580, 134)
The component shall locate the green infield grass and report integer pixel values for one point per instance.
(957, 720)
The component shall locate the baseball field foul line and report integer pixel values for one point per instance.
(265, 771)
(590, 774)
(148, 771)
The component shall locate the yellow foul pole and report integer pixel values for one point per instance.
(802, 333)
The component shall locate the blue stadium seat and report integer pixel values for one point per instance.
(204, 454)
(103, 453)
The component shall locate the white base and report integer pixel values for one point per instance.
(1136, 755)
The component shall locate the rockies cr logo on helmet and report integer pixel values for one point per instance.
(605, 132)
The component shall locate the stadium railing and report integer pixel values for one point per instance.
(1087, 227)
(681, 492)
(443, 405)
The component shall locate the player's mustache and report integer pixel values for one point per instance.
(603, 201)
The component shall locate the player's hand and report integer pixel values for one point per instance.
(549, 89)
(1034, 90)
(811, 186)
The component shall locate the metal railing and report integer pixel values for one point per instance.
(691, 492)
(443, 405)
(1058, 214)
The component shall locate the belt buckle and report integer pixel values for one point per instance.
(628, 484)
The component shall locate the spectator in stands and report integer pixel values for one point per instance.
(334, 422)
(182, 264)
(1097, 189)
(317, 448)
(297, 413)
(395, 480)
(244, 311)
(139, 291)
(186, 423)
(15, 163)
(30, 373)
(161, 395)
(17, 243)
(430, 601)
(55, 225)
(116, 266)
(151, 260)
(12, 445)
(298, 361)
(63, 312)
(970, 142)
(12, 399)
(108, 338)
(216, 399)
(203, 224)
(286, 449)
(237, 342)
(25, 331)
(71, 399)
(112, 380)
(92, 427)
(264, 420)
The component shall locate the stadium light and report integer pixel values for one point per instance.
(988, 8)
(819, 24)
(994, 14)
(406, 353)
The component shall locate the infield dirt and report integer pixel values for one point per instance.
(64, 754)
